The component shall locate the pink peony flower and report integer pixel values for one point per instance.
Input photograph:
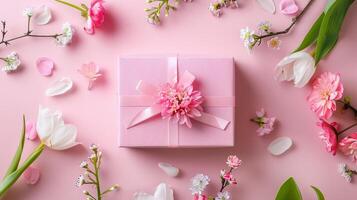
(326, 89)
(91, 72)
(95, 16)
(200, 197)
(233, 162)
(180, 103)
(348, 146)
(266, 124)
(329, 135)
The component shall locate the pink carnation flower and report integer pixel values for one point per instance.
(348, 146)
(180, 102)
(95, 16)
(233, 162)
(329, 135)
(326, 89)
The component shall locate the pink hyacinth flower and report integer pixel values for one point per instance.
(326, 89)
(91, 72)
(348, 146)
(329, 135)
(180, 103)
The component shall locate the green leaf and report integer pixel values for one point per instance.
(319, 194)
(289, 191)
(328, 5)
(311, 36)
(330, 28)
(16, 159)
(12, 178)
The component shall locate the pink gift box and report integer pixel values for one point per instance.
(214, 78)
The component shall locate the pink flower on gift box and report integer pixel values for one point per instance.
(329, 135)
(326, 89)
(348, 146)
(266, 124)
(233, 162)
(180, 103)
(95, 16)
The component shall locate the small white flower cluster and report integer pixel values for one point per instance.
(345, 172)
(248, 37)
(66, 36)
(12, 62)
(216, 7)
(28, 12)
(199, 183)
(223, 196)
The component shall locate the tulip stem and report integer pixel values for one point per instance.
(287, 30)
(71, 5)
(27, 34)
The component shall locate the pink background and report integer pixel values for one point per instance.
(190, 30)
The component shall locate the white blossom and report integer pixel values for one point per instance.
(66, 36)
(12, 62)
(247, 37)
(199, 183)
(28, 12)
(223, 196)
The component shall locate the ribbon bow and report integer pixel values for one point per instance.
(176, 98)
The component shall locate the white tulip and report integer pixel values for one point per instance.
(298, 67)
(52, 130)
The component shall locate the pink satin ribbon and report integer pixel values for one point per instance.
(147, 98)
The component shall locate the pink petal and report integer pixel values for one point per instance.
(45, 66)
(288, 7)
(31, 133)
(31, 175)
(89, 28)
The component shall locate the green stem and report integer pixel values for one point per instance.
(97, 180)
(72, 5)
(13, 177)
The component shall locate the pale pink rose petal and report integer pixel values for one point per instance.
(45, 66)
(288, 7)
(31, 133)
(31, 175)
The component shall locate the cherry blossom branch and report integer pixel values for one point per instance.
(347, 105)
(347, 128)
(27, 34)
(287, 30)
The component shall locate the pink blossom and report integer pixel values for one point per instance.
(266, 124)
(228, 177)
(233, 162)
(326, 89)
(329, 135)
(95, 17)
(180, 102)
(199, 197)
(348, 146)
(91, 72)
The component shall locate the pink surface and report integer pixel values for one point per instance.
(190, 30)
(214, 77)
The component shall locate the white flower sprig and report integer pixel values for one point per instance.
(154, 13)
(346, 172)
(12, 62)
(63, 38)
(91, 175)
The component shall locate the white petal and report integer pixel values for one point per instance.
(43, 16)
(268, 5)
(280, 145)
(143, 196)
(304, 69)
(164, 192)
(169, 169)
(59, 87)
(45, 123)
(63, 137)
(284, 73)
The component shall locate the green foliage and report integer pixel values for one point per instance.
(290, 191)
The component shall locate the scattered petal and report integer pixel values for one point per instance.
(31, 133)
(169, 169)
(43, 15)
(59, 87)
(45, 66)
(31, 175)
(280, 146)
(288, 7)
(267, 5)
(91, 72)
(162, 192)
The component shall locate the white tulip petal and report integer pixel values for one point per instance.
(63, 137)
(43, 16)
(162, 192)
(267, 5)
(45, 123)
(169, 169)
(59, 87)
(304, 69)
(280, 146)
